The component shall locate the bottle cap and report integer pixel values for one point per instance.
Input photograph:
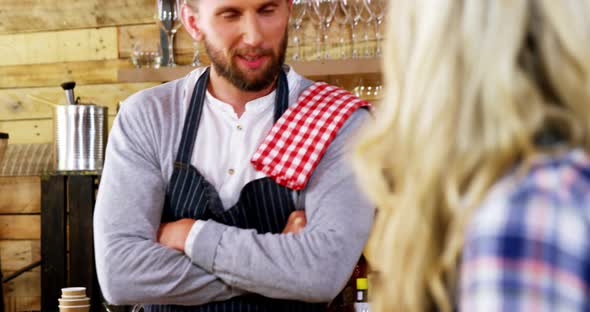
(361, 284)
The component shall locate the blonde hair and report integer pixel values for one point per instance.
(470, 87)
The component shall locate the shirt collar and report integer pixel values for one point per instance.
(255, 106)
(258, 105)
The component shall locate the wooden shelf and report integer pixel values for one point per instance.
(307, 68)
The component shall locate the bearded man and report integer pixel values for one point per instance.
(229, 189)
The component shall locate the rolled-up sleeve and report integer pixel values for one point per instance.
(132, 267)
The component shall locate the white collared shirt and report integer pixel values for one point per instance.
(225, 143)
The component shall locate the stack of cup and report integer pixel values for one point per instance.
(73, 299)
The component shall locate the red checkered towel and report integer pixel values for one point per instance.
(299, 139)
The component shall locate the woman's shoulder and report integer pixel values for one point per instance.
(544, 210)
(552, 186)
(531, 231)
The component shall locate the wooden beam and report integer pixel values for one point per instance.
(59, 46)
(42, 15)
(23, 303)
(307, 68)
(16, 254)
(20, 227)
(43, 75)
(337, 67)
(28, 131)
(82, 270)
(20, 195)
(34, 131)
(2, 304)
(53, 243)
(26, 160)
(15, 104)
(23, 293)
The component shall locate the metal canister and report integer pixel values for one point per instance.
(80, 137)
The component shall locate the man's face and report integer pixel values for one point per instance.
(246, 40)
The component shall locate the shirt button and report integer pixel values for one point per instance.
(239, 127)
(231, 171)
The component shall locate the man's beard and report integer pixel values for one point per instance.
(228, 69)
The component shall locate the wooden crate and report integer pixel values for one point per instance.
(20, 199)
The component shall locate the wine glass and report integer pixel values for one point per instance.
(343, 18)
(324, 10)
(315, 21)
(356, 9)
(363, 15)
(376, 9)
(168, 17)
(299, 11)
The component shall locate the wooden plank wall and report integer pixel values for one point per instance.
(20, 199)
(44, 43)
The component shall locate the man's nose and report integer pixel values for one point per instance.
(252, 31)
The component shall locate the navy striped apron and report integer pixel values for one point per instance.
(263, 205)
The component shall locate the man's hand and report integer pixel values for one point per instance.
(296, 222)
(174, 234)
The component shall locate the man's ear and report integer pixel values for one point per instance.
(189, 20)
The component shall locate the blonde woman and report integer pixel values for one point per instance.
(478, 160)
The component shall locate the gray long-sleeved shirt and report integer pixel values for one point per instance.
(226, 261)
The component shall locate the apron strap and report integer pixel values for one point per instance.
(191, 123)
(282, 96)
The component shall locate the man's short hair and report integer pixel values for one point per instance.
(193, 3)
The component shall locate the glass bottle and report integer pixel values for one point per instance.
(361, 304)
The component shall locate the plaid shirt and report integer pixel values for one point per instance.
(528, 246)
